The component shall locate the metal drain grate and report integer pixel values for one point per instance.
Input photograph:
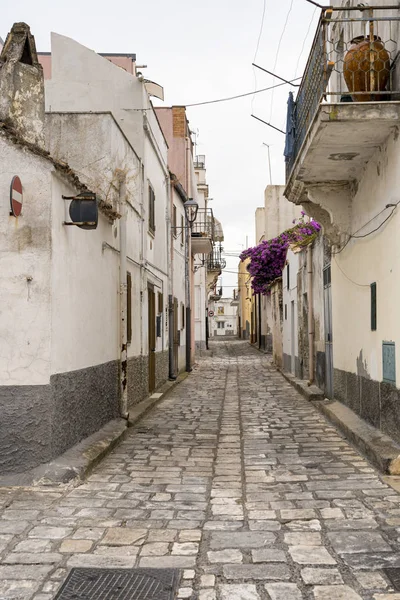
(393, 575)
(120, 584)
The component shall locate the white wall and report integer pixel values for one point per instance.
(25, 269)
(85, 280)
(289, 296)
(375, 258)
(228, 317)
(179, 287)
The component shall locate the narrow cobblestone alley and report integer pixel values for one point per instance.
(235, 479)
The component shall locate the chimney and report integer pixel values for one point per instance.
(22, 86)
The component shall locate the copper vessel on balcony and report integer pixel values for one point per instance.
(366, 68)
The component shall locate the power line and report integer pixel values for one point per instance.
(304, 41)
(256, 52)
(238, 96)
(278, 49)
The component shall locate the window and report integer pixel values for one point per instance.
(183, 315)
(182, 230)
(152, 212)
(174, 220)
(221, 324)
(285, 312)
(373, 306)
(160, 302)
(128, 307)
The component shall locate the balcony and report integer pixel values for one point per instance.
(203, 232)
(215, 262)
(346, 108)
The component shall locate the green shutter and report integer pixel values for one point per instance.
(373, 306)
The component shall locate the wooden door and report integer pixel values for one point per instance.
(152, 338)
(176, 336)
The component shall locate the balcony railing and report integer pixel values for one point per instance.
(204, 224)
(200, 162)
(353, 59)
(215, 262)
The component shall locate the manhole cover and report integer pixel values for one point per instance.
(394, 576)
(120, 584)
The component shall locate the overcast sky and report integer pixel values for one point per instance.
(201, 51)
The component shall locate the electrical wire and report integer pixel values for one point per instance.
(238, 96)
(353, 236)
(348, 278)
(256, 52)
(304, 41)
(278, 50)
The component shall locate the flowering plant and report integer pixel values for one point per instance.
(267, 260)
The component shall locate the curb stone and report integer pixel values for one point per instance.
(379, 449)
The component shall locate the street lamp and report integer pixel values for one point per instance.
(191, 207)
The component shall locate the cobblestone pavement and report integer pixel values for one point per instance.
(235, 479)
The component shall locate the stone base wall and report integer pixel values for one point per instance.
(287, 365)
(38, 423)
(376, 402)
(320, 370)
(161, 368)
(138, 379)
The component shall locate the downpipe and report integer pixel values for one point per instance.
(123, 299)
(310, 315)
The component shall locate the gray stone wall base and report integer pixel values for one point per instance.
(41, 422)
(376, 402)
(383, 451)
(138, 379)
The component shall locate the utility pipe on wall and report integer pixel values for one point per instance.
(310, 314)
(123, 296)
(187, 265)
(171, 319)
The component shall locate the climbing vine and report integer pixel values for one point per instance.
(267, 260)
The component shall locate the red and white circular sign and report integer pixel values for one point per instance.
(16, 196)
(210, 313)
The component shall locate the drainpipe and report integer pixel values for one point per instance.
(123, 298)
(310, 314)
(171, 320)
(187, 269)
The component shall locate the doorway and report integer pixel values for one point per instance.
(152, 337)
(176, 337)
(328, 332)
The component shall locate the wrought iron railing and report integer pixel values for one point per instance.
(352, 59)
(200, 162)
(215, 262)
(204, 224)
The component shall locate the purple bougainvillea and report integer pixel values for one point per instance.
(267, 260)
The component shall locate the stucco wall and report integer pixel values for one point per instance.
(25, 273)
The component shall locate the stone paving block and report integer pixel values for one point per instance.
(101, 562)
(28, 558)
(311, 555)
(371, 581)
(124, 536)
(17, 572)
(257, 572)
(238, 592)
(241, 539)
(268, 555)
(207, 594)
(316, 576)
(168, 562)
(17, 590)
(154, 549)
(335, 592)
(303, 538)
(225, 556)
(349, 542)
(76, 546)
(283, 591)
